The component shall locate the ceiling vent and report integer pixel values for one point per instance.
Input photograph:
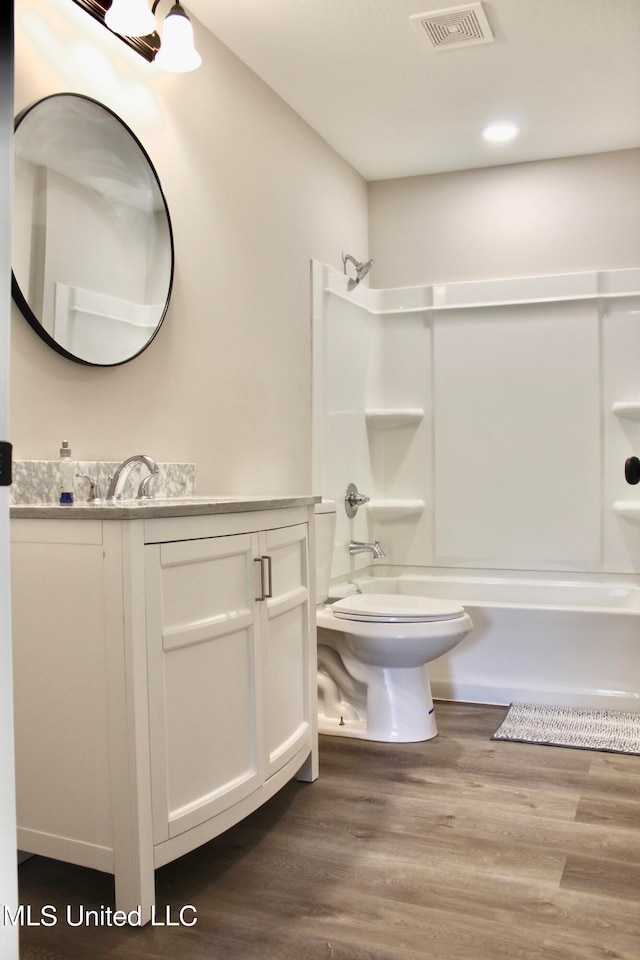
(454, 27)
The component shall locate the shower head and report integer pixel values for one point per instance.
(362, 269)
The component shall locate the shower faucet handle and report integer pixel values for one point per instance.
(353, 500)
(632, 470)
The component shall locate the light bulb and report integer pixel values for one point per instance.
(130, 18)
(177, 51)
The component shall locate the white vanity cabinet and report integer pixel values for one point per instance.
(228, 660)
(165, 681)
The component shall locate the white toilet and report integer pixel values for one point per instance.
(372, 654)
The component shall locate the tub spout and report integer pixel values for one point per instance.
(356, 546)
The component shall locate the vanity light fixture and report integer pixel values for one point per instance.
(135, 24)
(177, 52)
(130, 18)
(500, 132)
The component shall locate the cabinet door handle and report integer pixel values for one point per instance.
(265, 594)
(269, 591)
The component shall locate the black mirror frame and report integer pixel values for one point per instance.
(16, 292)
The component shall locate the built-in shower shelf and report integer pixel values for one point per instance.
(629, 409)
(391, 509)
(630, 509)
(388, 419)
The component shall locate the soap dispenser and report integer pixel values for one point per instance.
(67, 471)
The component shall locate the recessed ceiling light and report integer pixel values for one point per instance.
(499, 132)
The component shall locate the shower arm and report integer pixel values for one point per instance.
(347, 256)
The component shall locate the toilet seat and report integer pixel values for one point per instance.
(395, 608)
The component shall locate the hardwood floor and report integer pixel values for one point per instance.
(461, 848)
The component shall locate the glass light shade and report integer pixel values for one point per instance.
(177, 52)
(130, 18)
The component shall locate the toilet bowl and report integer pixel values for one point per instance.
(373, 649)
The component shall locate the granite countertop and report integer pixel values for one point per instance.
(148, 509)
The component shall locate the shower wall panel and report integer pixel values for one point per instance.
(517, 439)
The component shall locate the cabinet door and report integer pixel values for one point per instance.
(206, 751)
(286, 644)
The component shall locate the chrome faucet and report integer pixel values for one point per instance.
(356, 546)
(117, 481)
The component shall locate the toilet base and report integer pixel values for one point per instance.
(339, 727)
(357, 730)
(398, 708)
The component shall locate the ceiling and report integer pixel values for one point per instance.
(359, 72)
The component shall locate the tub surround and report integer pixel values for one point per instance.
(549, 496)
(489, 423)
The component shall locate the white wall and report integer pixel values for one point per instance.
(552, 216)
(254, 194)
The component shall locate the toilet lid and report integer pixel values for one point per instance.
(395, 608)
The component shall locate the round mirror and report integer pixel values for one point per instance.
(92, 239)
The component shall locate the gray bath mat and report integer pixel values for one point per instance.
(580, 727)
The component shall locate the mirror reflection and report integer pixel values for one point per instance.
(92, 240)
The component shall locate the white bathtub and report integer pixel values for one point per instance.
(557, 639)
